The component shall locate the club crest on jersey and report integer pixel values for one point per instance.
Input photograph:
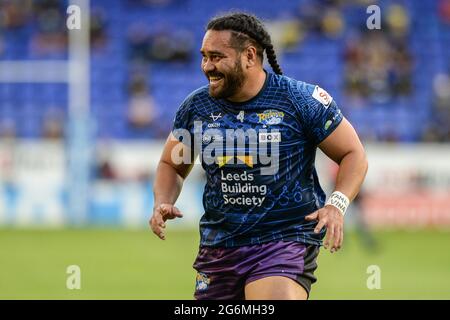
(322, 96)
(270, 117)
(201, 282)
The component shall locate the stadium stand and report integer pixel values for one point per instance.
(160, 40)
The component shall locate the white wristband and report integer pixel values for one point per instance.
(338, 200)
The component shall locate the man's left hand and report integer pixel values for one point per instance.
(330, 217)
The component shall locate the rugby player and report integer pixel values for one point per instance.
(256, 133)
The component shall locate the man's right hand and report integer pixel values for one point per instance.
(162, 213)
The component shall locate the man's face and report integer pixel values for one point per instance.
(221, 64)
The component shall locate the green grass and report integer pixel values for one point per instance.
(118, 264)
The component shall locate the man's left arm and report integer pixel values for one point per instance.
(343, 147)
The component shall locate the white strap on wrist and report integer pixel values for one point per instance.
(338, 200)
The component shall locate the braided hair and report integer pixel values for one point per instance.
(246, 28)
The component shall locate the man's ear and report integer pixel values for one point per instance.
(250, 56)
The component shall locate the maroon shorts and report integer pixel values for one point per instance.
(222, 273)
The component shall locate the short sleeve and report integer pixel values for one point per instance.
(182, 127)
(319, 113)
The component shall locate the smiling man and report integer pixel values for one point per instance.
(262, 229)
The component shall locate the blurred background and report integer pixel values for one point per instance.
(84, 114)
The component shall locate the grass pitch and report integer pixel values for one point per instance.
(119, 264)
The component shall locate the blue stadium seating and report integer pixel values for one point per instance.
(317, 60)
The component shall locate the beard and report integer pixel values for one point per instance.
(230, 84)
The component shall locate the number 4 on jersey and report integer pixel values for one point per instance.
(240, 116)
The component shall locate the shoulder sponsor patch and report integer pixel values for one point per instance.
(322, 96)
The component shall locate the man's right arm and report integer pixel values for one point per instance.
(170, 175)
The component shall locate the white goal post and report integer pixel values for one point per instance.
(75, 72)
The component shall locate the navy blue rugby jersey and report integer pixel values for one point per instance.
(259, 161)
